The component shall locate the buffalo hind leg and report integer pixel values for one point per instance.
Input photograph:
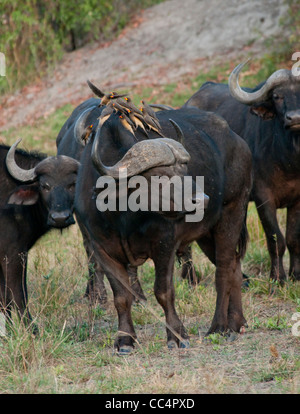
(139, 295)
(275, 240)
(188, 269)
(222, 251)
(293, 240)
(96, 290)
(223, 320)
(228, 314)
(236, 318)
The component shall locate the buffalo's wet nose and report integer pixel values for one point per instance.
(292, 117)
(61, 218)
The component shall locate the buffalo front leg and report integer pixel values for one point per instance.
(123, 299)
(14, 287)
(293, 240)
(165, 295)
(276, 244)
(118, 278)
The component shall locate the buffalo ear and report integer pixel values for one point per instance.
(264, 111)
(24, 195)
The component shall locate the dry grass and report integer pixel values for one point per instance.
(74, 351)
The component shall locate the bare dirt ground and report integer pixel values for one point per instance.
(161, 45)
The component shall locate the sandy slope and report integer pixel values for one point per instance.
(168, 41)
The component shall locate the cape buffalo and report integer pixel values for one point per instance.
(37, 193)
(267, 117)
(120, 237)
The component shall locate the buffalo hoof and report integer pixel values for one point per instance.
(140, 301)
(139, 298)
(232, 336)
(35, 330)
(295, 277)
(278, 276)
(184, 344)
(124, 350)
(246, 281)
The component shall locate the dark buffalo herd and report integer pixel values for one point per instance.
(243, 143)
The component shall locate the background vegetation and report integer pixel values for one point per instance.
(74, 350)
(34, 34)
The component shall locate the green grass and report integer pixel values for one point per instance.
(42, 135)
(74, 350)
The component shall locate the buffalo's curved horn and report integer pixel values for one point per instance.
(15, 171)
(80, 124)
(141, 156)
(248, 98)
(96, 90)
(179, 132)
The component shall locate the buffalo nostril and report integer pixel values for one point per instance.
(293, 117)
(61, 218)
(200, 197)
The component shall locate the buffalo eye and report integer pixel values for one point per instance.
(71, 187)
(45, 186)
(276, 97)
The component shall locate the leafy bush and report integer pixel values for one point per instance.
(292, 22)
(281, 48)
(27, 41)
(35, 33)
